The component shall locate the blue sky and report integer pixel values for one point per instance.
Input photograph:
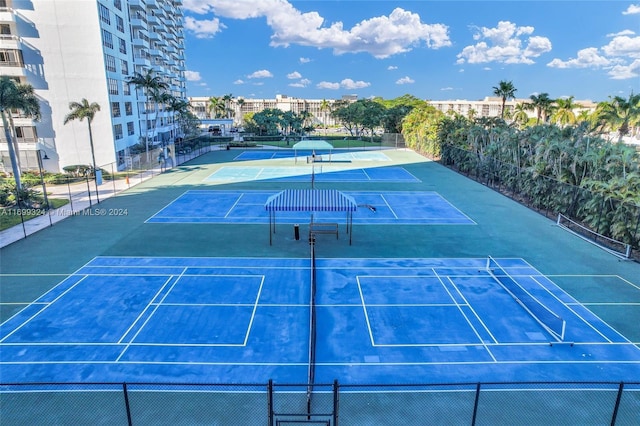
(434, 50)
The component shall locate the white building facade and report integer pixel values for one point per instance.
(74, 49)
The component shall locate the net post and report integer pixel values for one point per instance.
(475, 405)
(336, 402)
(617, 406)
(126, 403)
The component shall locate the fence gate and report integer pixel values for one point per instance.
(295, 405)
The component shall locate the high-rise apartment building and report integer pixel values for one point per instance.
(74, 49)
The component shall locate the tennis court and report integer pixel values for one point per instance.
(377, 320)
(399, 207)
(336, 156)
(322, 173)
(184, 302)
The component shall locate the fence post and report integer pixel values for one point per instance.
(475, 405)
(617, 406)
(336, 403)
(126, 403)
(270, 402)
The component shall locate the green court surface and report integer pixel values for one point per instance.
(499, 228)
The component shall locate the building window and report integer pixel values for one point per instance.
(11, 58)
(123, 46)
(107, 39)
(117, 129)
(104, 14)
(130, 128)
(110, 63)
(125, 67)
(5, 29)
(115, 109)
(126, 89)
(113, 86)
(119, 24)
(128, 108)
(118, 4)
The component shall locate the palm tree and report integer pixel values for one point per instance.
(542, 105)
(505, 90)
(324, 107)
(240, 103)
(564, 114)
(16, 96)
(620, 113)
(520, 116)
(214, 107)
(227, 104)
(80, 111)
(150, 83)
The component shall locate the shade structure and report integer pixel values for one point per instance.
(310, 200)
(312, 145)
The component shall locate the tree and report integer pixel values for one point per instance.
(324, 107)
(16, 96)
(563, 114)
(150, 83)
(520, 116)
(542, 105)
(80, 111)
(620, 114)
(215, 107)
(505, 90)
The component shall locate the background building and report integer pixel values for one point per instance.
(74, 49)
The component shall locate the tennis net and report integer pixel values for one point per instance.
(548, 319)
(312, 323)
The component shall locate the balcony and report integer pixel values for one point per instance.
(138, 23)
(153, 4)
(7, 16)
(9, 41)
(138, 4)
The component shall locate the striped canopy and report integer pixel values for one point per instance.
(311, 200)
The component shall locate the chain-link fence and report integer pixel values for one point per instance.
(543, 403)
(45, 199)
(599, 213)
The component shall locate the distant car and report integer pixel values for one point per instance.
(215, 130)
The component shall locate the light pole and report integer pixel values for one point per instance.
(44, 186)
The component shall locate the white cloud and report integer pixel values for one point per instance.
(192, 76)
(623, 72)
(623, 46)
(302, 83)
(619, 57)
(446, 89)
(587, 58)
(260, 74)
(621, 33)
(238, 81)
(203, 28)
(328, 85)
(305, 60)
(504, 44)
(294, 75)
(382, 36)
(633, 9)
(405, 80)
(392, 67)
(347, 83)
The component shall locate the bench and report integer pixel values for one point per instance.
(323, 228)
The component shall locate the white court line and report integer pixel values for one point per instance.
(576, 314)
(472, 310)
(149, 317)
(480, 339)
(145, 308)
(41, 310)
(606, 303)
(233, 206)
(387, 203)
(253, 313)
(366, 315)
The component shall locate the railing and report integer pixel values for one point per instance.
(530, 403)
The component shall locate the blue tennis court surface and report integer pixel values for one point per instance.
(338, 156)
(322, 173)
(397, 207)
(230, 320)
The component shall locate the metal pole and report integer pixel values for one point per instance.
(44, 187)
